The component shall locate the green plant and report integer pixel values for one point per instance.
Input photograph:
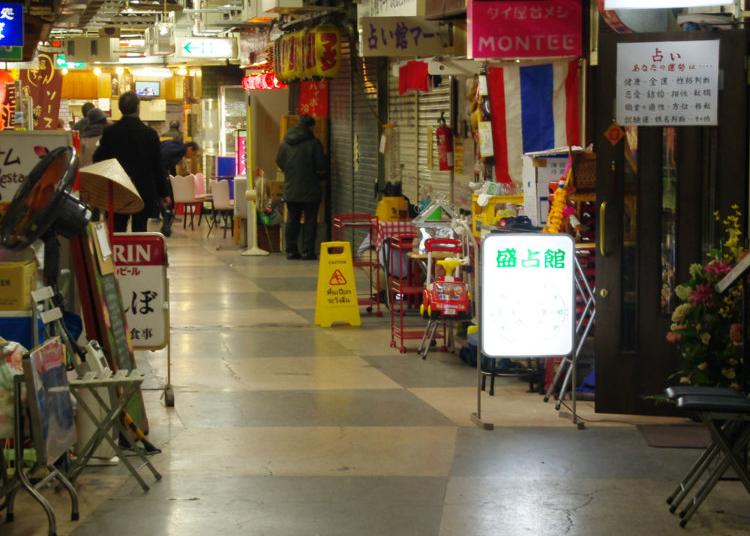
(706, 326)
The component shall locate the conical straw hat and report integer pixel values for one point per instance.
(95, 180)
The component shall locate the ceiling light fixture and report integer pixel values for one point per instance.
(153, 72)
(662, 4)
(182, 71)
(97, 71)
(119, 71)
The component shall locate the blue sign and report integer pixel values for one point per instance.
(11, 25)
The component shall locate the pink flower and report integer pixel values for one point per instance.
(718, 268)
(673, 337)
(701, 294)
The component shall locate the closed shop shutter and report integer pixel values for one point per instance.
(366, 133)
(402, 151)
(340, 106)
(431, 105)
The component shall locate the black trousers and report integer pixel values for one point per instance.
(294, 215)
(138, 225)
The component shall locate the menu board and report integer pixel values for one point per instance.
(527, 296)
(668, 83)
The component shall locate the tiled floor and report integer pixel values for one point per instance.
(281, 428)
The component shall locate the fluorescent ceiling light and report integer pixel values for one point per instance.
(662, 4)
(153, 72)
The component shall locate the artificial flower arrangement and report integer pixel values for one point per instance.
(707, 326)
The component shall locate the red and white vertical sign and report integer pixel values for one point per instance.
(141, 269)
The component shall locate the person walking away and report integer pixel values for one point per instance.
(172, 153)
(301, 158)
(173, 132)
(90, 135)
(136, 146)
(85, 109)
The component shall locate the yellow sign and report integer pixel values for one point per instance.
(337, 293)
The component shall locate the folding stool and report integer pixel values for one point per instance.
(726, 414)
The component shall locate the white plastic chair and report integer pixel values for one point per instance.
(223, 206)
(183, 192)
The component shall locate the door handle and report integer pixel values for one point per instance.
(602, 228)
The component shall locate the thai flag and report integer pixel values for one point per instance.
(533, 108)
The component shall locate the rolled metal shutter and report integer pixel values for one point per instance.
(340, 106)
(366, 133)
(431, 105)
(403, 146)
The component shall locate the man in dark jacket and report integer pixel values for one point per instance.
(173, 151)
(301, 159)
(82, 122)
(136, 147)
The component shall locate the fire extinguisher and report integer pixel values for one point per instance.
(445, 145)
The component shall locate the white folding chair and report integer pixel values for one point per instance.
(183, 191)
(222, 206)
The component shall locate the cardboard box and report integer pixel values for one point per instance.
(17, 280)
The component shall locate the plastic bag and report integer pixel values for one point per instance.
(11, 354)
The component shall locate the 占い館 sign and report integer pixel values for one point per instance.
(402, 37)
(527, 303)
(524, 28)
(674, 83)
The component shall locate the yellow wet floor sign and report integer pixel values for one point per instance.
(337, 293)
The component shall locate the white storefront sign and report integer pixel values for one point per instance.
(391, 8)
(668, 83)
(527, 297)
(205, 47)
(141, 268)
(20, 152)
(402, 37)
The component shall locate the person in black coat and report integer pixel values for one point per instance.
(301, 159)
(136, 146)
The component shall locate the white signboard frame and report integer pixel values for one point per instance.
(668, 83)
(20, 152)
(527, 295)
(141, 280)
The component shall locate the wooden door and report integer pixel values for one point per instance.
(657, 190)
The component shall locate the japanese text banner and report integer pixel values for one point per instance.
(524, 29)
(401, 37)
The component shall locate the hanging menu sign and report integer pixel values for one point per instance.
(668, 83)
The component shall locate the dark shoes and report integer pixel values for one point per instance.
(166, 226)
(305, 257)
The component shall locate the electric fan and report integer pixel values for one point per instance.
(43, 207)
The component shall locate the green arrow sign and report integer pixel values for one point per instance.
(11, 53)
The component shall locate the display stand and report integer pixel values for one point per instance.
(21, 481)
(584, 323)
(527, 284)
(369, 263)
(127, 383)
(141, 263)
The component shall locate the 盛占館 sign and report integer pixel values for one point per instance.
(524, 28)
(527, 304)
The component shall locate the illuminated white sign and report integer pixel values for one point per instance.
(672, 83)
(662, 4)
(205, 47)
(528, 295)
